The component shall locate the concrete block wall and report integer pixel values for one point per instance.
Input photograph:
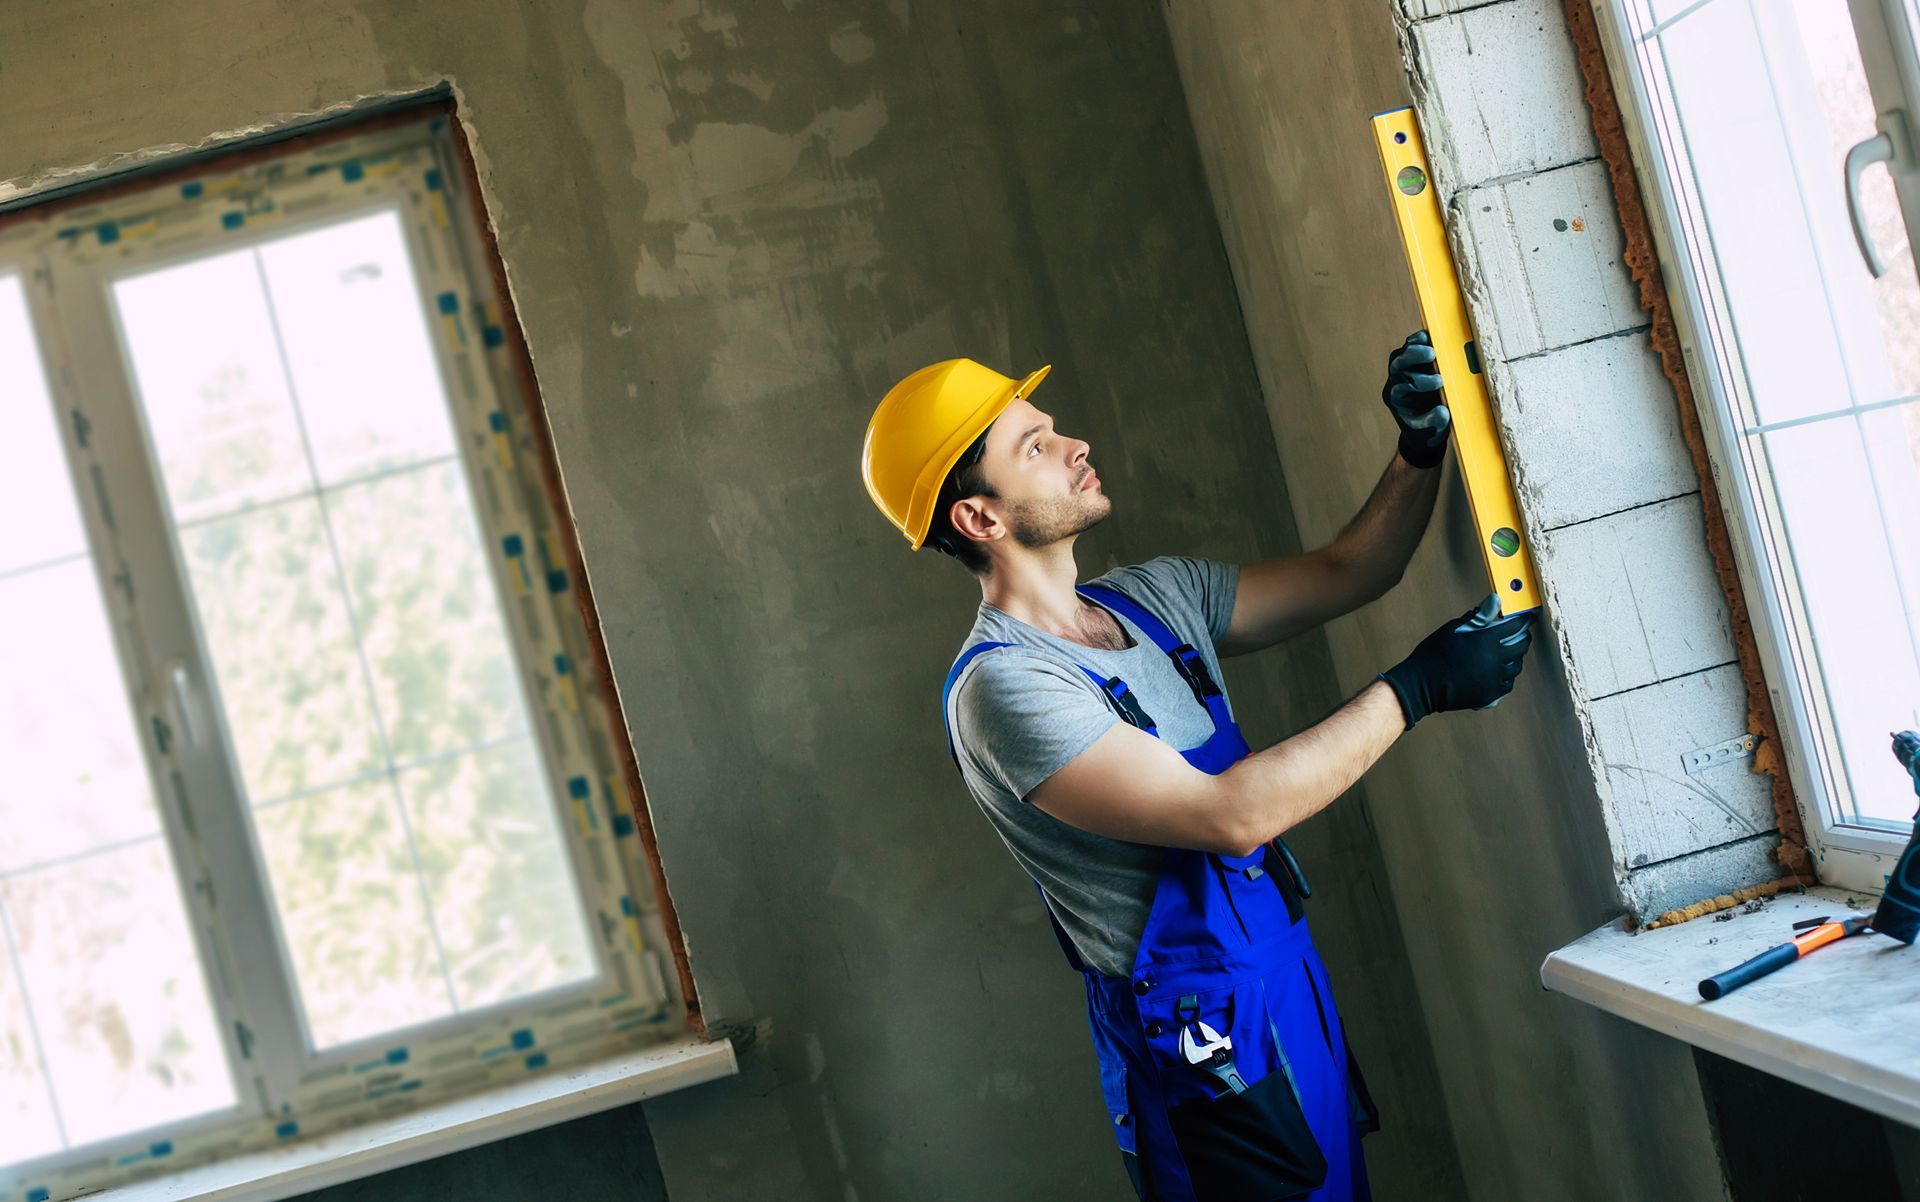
(1490, 825)
(1611, 500)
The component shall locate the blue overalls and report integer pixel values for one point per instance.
(1259, 1101)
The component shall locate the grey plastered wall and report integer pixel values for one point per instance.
(1492, 824)
(728, 228)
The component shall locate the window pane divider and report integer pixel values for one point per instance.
(359, 641)
(1661, 27)
(100, 849)
(318, 492)
(33, 1022)
(1850, 411)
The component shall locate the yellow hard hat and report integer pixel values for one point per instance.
(922, 427)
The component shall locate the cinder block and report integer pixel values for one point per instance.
(1547, 252)
(1636, 597)
(1592, 429)
(1660, 810)
(1500, 92)
(1652, 891)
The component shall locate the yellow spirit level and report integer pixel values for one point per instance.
(1496, 515)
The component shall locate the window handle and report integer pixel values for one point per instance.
(185, 702)
(1890, 145)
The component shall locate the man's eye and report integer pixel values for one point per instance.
(1033, 449)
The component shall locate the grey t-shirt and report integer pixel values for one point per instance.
(1019, 714)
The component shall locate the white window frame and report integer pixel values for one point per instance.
(284, 1088)
(1847, 853)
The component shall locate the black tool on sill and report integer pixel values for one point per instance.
(1899, 912)
(1898, 915)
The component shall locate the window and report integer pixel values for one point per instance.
(310, 810)
(1806, 367)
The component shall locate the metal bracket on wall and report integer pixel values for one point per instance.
(1702, 758)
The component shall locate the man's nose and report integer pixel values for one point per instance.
(1081, 452)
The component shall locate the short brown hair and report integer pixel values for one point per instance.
(966, 479)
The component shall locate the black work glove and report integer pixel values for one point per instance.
(1412, 394)
(1469, 663)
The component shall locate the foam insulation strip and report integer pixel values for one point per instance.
(1610, 131)
(1725, 901)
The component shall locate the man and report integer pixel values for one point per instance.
(1091, 726)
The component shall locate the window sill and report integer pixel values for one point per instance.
(554, 1097)
(1840, 1021)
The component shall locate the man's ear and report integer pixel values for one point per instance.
(975, 519)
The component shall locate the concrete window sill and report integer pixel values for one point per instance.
(451, 1126)
(1841, 1021)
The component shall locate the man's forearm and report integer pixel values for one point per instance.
(1271, 791)
(1376, 545)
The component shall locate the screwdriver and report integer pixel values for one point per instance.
(1775, 958)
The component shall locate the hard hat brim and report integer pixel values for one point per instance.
(927, 489)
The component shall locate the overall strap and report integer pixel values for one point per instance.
(953, 677)
(1191, 665)
(1115, 690)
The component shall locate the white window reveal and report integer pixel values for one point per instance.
(1806, 366)
(311, 810)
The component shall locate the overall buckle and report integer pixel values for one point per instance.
(1130, 708)
(1193, 670)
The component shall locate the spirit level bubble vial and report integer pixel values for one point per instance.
(1416, 208)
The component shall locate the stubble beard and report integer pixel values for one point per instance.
(1044, 522)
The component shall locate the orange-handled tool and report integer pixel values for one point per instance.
(1775, 958)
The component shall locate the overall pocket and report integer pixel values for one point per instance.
(1249, 1147)
(1253, 1146)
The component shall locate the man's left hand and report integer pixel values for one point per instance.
(1412, 394)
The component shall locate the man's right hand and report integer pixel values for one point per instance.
(1469, 663)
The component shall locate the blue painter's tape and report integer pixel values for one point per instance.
(397, 1056)
(39, 1193)
(497, 422)
(492, 336)
(561, 667)
(513, 544)
(523, 1038)
(626, 905)
(622, 826)
(108, 232)
(232, 221)
(537, 1060)
(449, 303)
(352, 171)
(433, 180)
(287, 1130)
(577, 787)
(162, 1148)
(557, 581)
(189, 191)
